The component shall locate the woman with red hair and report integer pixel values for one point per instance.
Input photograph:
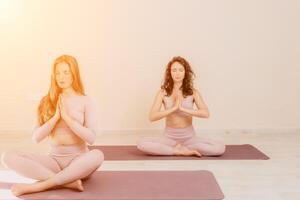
(67, 117)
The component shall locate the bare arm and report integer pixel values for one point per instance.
(156, 113)
(202, 109)
(41, 132)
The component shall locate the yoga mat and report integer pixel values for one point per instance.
(141, 185)
(233, 152)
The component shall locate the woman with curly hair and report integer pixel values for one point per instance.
(178, 96)
(66, 116)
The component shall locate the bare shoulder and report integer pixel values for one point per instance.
(196, 92)
(161, 93)
(88, 100)
(197, 95)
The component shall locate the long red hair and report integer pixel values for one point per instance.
(47, 106)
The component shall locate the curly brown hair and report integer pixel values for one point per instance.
(187, 84)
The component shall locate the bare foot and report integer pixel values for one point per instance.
(23, 188)
(76, 185)
(181, 150)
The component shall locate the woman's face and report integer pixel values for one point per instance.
(177, 72)
(63, 75)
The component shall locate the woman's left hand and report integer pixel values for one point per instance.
(63, 111)
(180, 97)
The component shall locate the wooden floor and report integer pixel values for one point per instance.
(274, 179)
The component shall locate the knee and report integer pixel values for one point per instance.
(98, 156)
(3, 157)
(142, 144)
(220, 150)
(8, 157)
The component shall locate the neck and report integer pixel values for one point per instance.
(177, 85)
(69, 91)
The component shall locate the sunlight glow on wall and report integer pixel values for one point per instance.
(9, 9)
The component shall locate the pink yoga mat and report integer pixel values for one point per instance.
(233, 152)
(141, 185)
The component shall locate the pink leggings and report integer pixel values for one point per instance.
(64, 163)
(185, 136)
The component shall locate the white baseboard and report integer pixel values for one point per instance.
(204, 131)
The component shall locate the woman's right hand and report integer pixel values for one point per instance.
(57, 111)
(177, 103)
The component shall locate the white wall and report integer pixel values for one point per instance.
(245, 55)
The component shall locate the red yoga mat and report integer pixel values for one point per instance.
(141, 185)
(233, 152)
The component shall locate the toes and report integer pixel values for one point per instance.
(80, 186)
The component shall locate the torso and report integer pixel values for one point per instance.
(178, 119)
(62, 134)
